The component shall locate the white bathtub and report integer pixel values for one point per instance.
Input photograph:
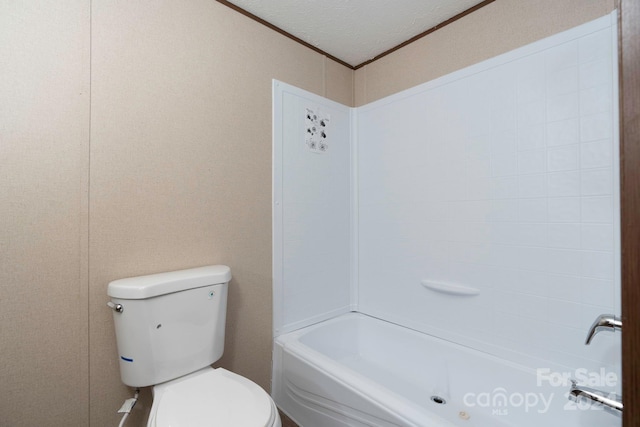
(355, 370)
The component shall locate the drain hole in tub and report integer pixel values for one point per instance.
(439, 400)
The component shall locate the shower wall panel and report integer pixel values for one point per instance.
(500, 180)
(311, 208)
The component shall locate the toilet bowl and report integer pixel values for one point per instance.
(212, 398)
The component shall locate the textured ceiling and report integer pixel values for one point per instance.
(355, 31)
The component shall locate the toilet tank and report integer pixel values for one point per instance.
(169, 324)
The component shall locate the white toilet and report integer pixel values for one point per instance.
(169, 330)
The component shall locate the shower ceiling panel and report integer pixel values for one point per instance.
(355, 31)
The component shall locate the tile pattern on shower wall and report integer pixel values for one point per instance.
(504, 180)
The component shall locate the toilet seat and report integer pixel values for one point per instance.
(211, 398)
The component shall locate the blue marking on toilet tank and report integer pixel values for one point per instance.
(126, 359)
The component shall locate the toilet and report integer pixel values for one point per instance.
(170, 328)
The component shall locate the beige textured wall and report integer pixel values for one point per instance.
(497, 28)
(44, 137)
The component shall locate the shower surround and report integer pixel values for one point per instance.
(481, 208)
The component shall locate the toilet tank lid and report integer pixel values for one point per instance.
(165, 283)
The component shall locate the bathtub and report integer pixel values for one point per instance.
(355, 370)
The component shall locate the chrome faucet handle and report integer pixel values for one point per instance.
(604, 322)
(610, 402)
